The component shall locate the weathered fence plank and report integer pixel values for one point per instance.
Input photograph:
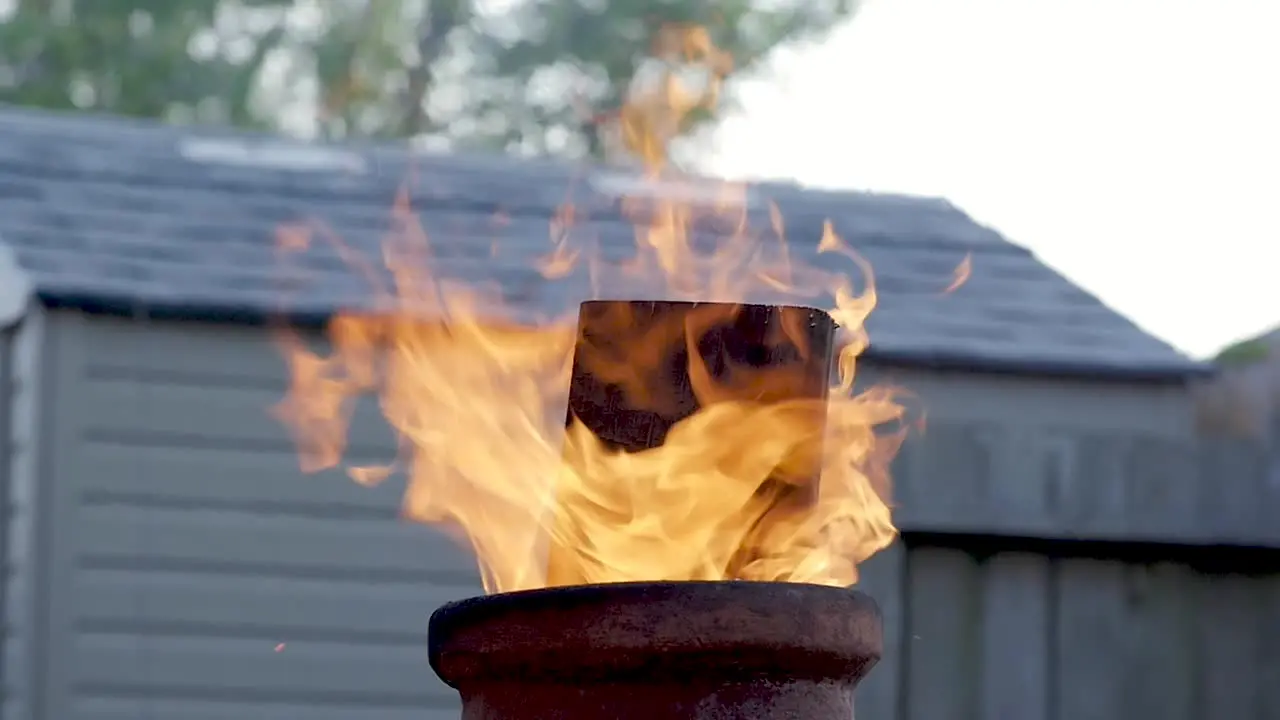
(883, 577)
(1160, 665)
(1047, 483)
(941, 481)
(1238, 492)
(943, 649)
(1268, 657)
(1228, 618)
(1090, 639)
(1161, 479)
(1015, 637)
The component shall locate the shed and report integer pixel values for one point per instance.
(165, 557)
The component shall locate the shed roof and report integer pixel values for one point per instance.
(116, 215)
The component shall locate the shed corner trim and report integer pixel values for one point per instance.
(16, 288)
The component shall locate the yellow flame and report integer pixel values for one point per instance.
(760, 482)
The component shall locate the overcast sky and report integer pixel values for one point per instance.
(1134, 145)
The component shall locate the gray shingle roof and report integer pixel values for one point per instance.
(119, 215)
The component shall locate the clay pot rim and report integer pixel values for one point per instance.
(657, 631)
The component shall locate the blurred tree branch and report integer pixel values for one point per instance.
(534, 78)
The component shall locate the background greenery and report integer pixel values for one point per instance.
(516, 75)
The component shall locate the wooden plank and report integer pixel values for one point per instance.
(1015, 637)
(1162, 655)
(116, 536)
(1162, 484)
(943, 652)
(1239, 493)
(943, 478)
(212, 353)
(1268, 657)
(280, 607)
(211, 667)
(1268, 498)
(25, 605)
(9, 684)
(232, 417)
(1034, 471)
(1090, 639)
(1093, 503)
(270, 481)
(1066, 404)
(882, 577)
(56, 536)
(1229, 617)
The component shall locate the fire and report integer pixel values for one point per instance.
(765, 476)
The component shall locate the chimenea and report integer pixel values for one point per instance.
(658, 651)
(706, 650)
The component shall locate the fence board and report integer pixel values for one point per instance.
(942, 480)
(1229, 619)
(1090, 640)
(943, 653)
(1268, 657)
(1015, 638)
(1162, 652)
(882, 577)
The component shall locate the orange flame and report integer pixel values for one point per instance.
(960, 275)
(760, 482)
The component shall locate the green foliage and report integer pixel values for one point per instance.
(171, 59)
(527, 79)
(596, 45)
(1245, 352)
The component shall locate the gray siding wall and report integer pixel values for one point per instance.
(196, 574)
(188, 571)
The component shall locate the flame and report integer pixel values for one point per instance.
(960, 275)
(759, 471)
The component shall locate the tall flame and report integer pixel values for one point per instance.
(476, 393)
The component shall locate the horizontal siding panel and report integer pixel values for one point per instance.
(286, 607)
(205, 538)
(204, 477)
(211, 352)
(113, 709)
(214, 580)
(237, 668)
(228, 417)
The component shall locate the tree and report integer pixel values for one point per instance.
(536, 77)
(595, 46)
(170, 59)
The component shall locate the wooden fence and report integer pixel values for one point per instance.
(1112, 579)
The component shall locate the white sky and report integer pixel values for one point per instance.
(1134, 145)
